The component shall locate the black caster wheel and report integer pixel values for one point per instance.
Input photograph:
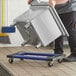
(21, 59)
(10, 60)
(50, 64)
(59, 60)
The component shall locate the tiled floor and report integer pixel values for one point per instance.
(36, 68)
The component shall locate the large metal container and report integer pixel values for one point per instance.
(40, 25)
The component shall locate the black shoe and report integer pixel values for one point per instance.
(71, 58)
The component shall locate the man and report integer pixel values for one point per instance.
(67, 12)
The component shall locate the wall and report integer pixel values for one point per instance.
(14, 8)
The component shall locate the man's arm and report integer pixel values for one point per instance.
(52, 2)
(29, 1)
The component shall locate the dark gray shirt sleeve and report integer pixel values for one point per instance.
(67, 7)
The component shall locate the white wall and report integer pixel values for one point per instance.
(14, 8)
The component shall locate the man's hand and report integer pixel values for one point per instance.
(29, 1)
(52, 3)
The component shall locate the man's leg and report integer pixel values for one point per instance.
(72, 39)
(59, 45)
(59, 42)
(69, 20)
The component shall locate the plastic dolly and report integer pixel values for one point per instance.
(51, 58)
